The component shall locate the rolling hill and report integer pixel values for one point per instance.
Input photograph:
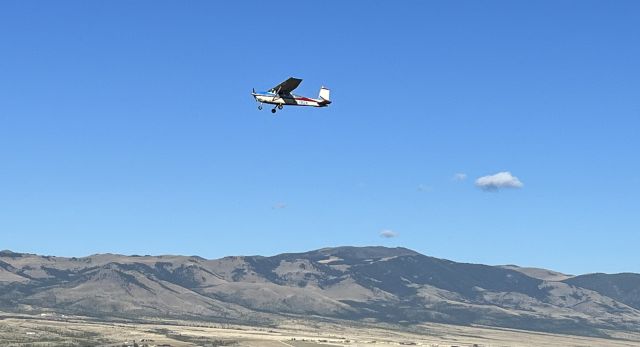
(373, 284)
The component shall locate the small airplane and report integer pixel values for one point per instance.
(280, 95)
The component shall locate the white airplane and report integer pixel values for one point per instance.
(280, 95)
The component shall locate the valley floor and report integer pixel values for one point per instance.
(25, 330)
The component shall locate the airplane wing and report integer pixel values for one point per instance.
(287, 86)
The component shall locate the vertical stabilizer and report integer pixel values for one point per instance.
(324, 94)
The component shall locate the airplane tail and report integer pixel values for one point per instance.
(324, 96)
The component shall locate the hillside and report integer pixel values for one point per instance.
(375, 284)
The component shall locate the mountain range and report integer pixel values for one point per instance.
(368, 284)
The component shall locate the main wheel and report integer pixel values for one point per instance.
(279, 107)
(259, 107)
(273, 110)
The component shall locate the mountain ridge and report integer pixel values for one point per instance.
(375, 283)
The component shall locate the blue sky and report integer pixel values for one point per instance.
(128, 127)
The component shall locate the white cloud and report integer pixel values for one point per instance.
(459, 176)
(498, 181)
(279, 205)
(387, 234)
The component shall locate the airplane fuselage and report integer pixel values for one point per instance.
(288, 99)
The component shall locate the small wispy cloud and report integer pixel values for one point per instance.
(495, 182)
(388, 234)
(279, 206)
(459, 176)
(424, 188)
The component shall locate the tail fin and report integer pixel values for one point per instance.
(324, 95)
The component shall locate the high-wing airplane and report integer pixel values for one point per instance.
(280, 95)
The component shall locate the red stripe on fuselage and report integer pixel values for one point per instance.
(306, 99)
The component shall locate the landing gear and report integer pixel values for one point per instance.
(273, 110)
(279, 107)
(260, 107)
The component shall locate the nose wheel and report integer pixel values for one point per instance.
(259, 107)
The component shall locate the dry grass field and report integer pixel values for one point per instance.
(24, 330)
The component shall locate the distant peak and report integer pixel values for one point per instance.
(365, 252)
(10, 254)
